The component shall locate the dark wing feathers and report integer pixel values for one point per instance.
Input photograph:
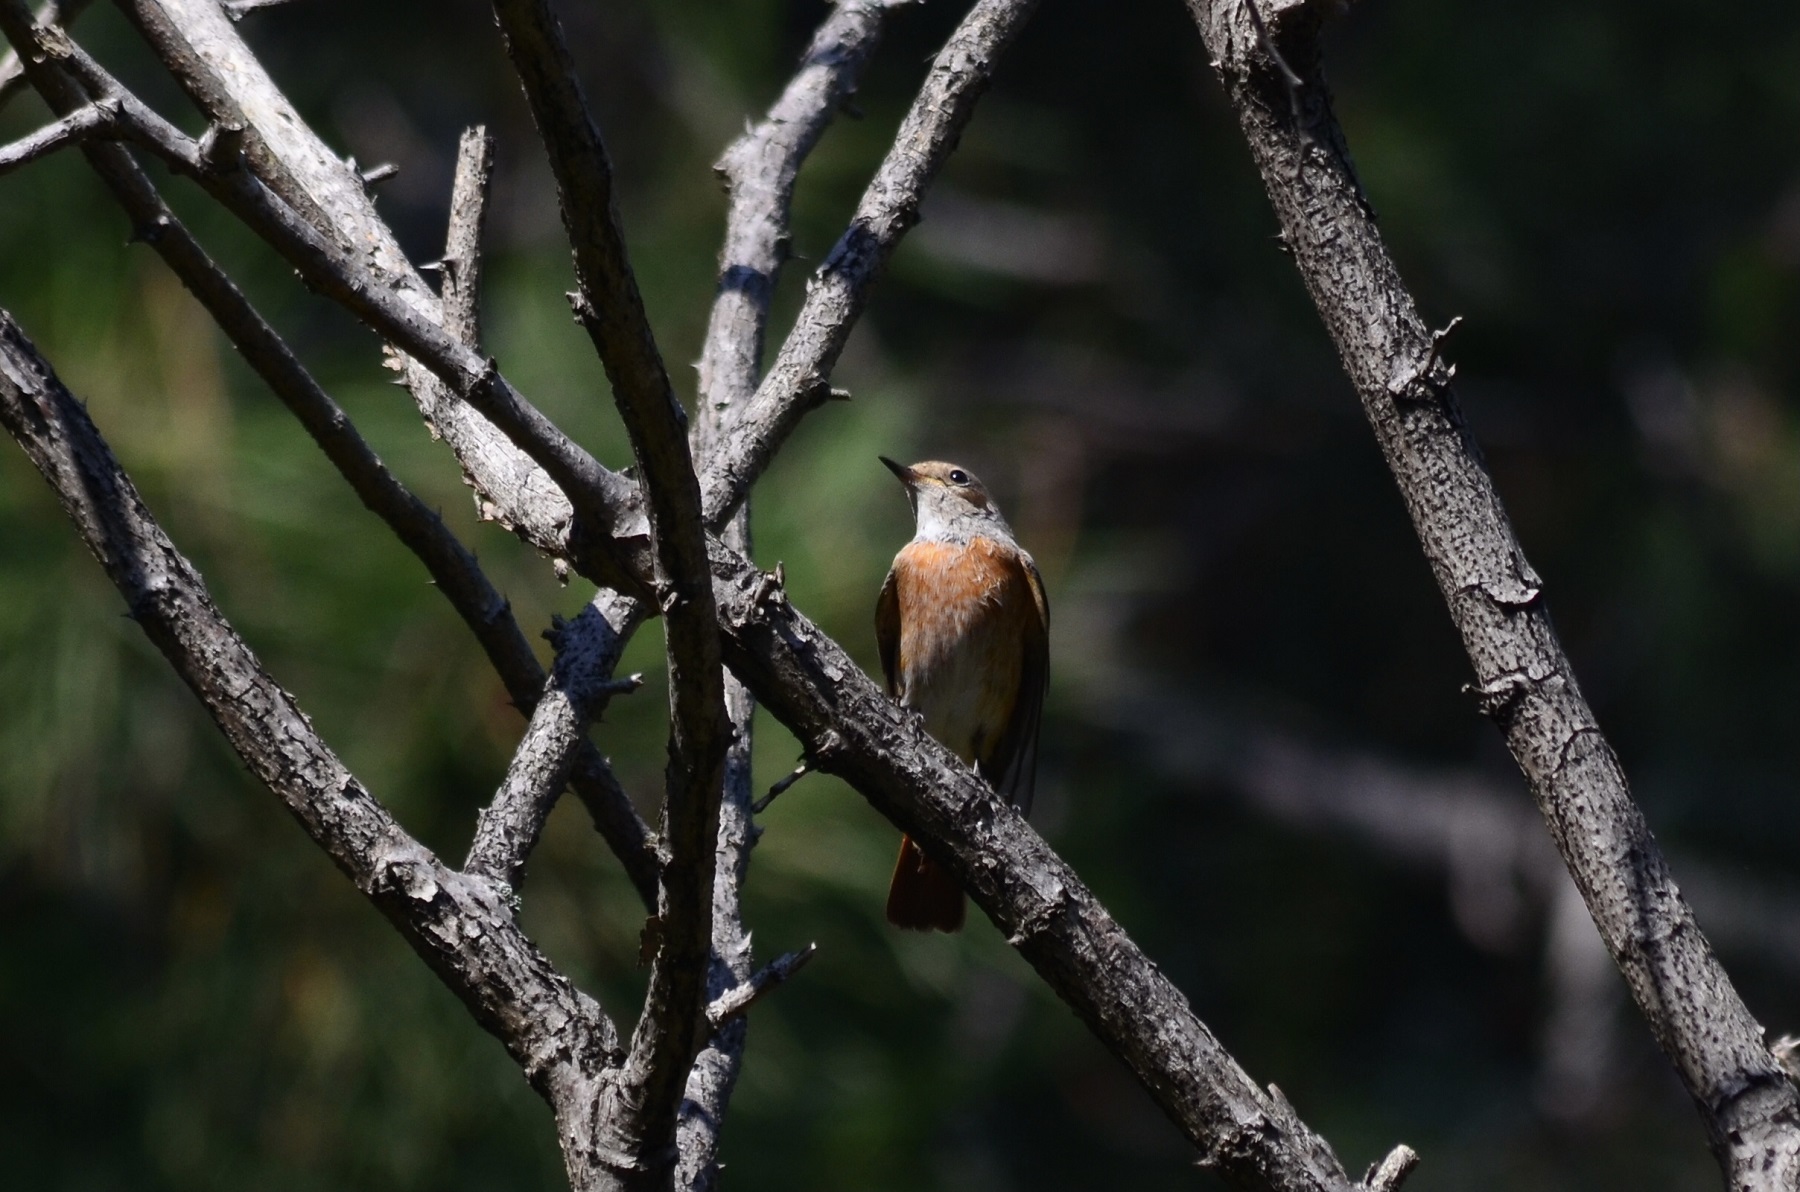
(1014, 757)
(887, 633)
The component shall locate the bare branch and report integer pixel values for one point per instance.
(853, 730)
(453, 568)
(1523, 679)
(844, 721)
(603, 501)
(78, 126)
(759, 172)
(12, 73)
(801, 377)
(1392, 1171)
(461, 289)
(224, 77)
(734, 1002)
(461, 927)
(587, 650)
(638, 1142)
(613, 814)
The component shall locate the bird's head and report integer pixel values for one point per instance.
(948, 500)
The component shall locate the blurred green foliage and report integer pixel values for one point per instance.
(1093, 315)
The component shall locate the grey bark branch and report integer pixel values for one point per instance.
(452, 567)
(759, 171)
(226, 80)
(637, 1139)
(1523, 679)
(576, 704)
(800, 378)
(602, 500)
(587, 651)
(461, 927)
(80, 125)
(1253, 1137)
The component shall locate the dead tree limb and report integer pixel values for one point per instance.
(460, 926)
(759, 172)
(800, 378)
(1523, 679)
(637, 1139)
(1252, 1137)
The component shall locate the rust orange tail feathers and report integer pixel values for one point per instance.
(923, 896)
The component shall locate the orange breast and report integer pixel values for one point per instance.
(964, 613)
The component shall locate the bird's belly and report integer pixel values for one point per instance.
(962, 675)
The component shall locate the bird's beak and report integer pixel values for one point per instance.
(906, 474)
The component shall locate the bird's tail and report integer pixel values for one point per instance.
(923, 895)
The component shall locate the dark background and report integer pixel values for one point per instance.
(1094, 316)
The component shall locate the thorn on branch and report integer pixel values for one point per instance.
(237, 10)
(772, 584)
(1292, 81)
(1500, 698)
(740, 998)
(800, 771)
(222, 148)
(1405, 384)
(1787, 1053)
(1393, 1170)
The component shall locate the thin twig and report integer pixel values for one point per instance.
(795, 775)
(800, 378)
(78, 126)
(237, 10)
(739, 999)
(1392, 1171)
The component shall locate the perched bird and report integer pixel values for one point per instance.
(964, 632)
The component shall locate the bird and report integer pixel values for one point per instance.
(964, 633)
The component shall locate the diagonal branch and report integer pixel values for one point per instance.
(602, 500)
(637, 1142)
(759, 172)
(800, 379)
(462, 928)
(1524, 681)
(609, 807)
(1251, 1137)
(453, 568)
(811, 685)
(587, 651)
(218, 70)
(83, 124)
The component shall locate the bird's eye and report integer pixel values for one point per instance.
(958, 476)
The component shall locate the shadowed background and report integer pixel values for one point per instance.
(1256, 750)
